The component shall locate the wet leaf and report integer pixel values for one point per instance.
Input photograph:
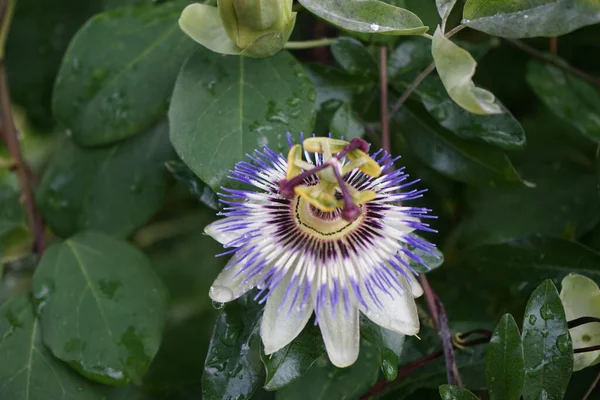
(39, 36)
(112, 189)
(28, 371)
(456, 68)
(547, 345)
(502, 130)
(101, 306)
(505, 366)
(323, 381)
(336, 85)
(569, 97)
(562, 203)
(522, 263)
(445, 7)
(450, 392)
(346, 124)
(224, 108)
(530, 18)
(290, 363)
(199, 189)
(105, 93)
(580, 297)
(389, 343)
(233, 368)
(354, 57)
(462, 160)
(370, 16)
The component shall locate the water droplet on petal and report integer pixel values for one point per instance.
(221, 294)
(375, 27)
(217, 305)
(532, 319)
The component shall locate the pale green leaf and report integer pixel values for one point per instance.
(456, 68)
(445, 7)
(581, 298)
(530, 18)
(371, 16)
(203, 24)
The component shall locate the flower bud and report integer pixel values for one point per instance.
(253, 28)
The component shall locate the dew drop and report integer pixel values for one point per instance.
(375, 27)
(545, 312)
(562, 343)
(532, 319)
(221, 294)
(217, 305)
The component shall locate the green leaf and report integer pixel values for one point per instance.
(462, 160)
(354, 57)
(580, 297)
(370, 16)
(445, 7)
(11, 211)
(199, 189)
(224, 108)
(502, 130)
(569, 97)
(389, 343)
(233, 368)
(530, 18)
(101, 307)
(346, 124)
(117, 76)
(562, 203)
(522, 263)
(290, 363)
(336, 84)
(323, 381)
(547, 345)
(112, 4)
(38, 38)
(28, 371)
(505, 367)
(456, 67)
(113, 189)
(449, 392)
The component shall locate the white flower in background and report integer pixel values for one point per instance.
(327, 233)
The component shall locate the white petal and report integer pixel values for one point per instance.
(280, 325)
(228, 286)
(415, 287)
(400, 223)
(215, 231)
(397, 313)
(340, 333)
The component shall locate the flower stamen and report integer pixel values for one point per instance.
(323, 195)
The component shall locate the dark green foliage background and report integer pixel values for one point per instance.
(131, 126)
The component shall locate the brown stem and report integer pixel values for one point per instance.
(9, 134)
(484, 332)
(402, 372)
(409, 368)
(452, 373)
(553, 45)
(383, 79)
(581, 321)
(586, 349)
(421, 77)
(557, 62)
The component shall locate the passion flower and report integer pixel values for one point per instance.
(325, 230)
